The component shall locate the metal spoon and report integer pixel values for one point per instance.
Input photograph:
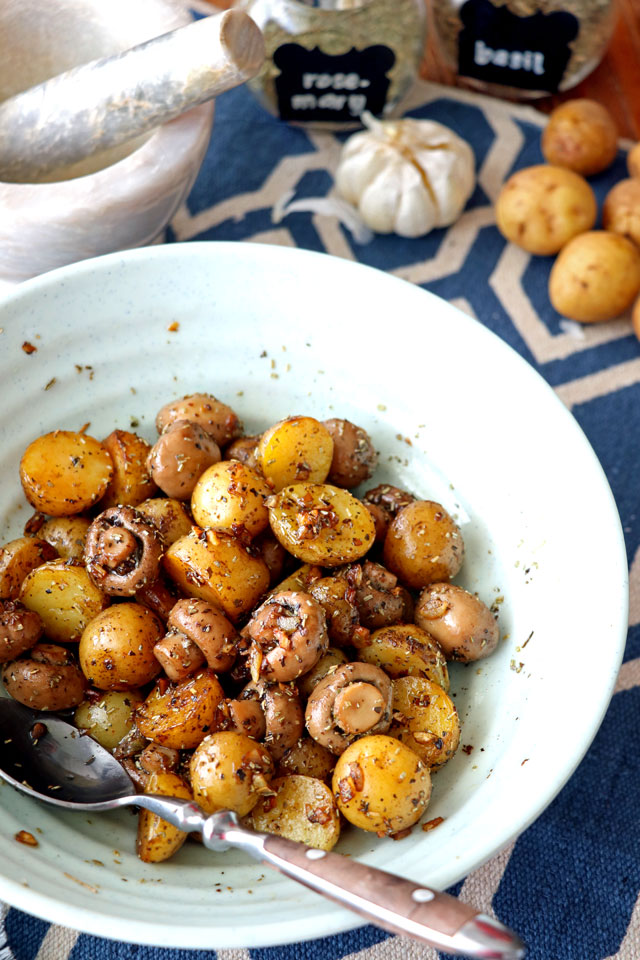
(49, 759)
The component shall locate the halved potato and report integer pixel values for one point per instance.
(17, 559)
(157, 839)
(302, 809)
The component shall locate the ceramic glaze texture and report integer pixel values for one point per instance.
(120, 198)
(489, 452)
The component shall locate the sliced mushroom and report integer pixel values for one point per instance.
(288, 634)
(283, 716)
(352, 701)
(122, 552)
(197, 633)
(20, 629)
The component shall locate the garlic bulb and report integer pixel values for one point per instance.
(406, 176)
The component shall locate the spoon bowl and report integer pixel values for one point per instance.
(47, 758)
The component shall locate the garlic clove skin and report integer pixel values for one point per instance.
(406, 176)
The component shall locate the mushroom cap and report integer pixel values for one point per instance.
(352, 701)
(208, 628)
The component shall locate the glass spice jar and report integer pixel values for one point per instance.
(523, 48)
(327, 61)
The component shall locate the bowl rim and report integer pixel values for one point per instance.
(274, 933)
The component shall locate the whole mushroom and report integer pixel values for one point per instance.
(180, 456)
(288, 634)
(352, 701)
(122, 551)
(197, 633)
(462, 624)
(20, 629)
(282, 712)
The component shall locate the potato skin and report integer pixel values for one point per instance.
(168, 516)
(157, 839)
(425, 719)
(303, 809)
(116, 647)
(110, 718)
(66, 535)
(17, 559)
(295, 450)
(633, 161)
(230, 770)
(64, 473)
(183, 715)
(621, 209)
(229, 496)
(404, 649)
(596, 277)
(423, 544)
(381, 785)
(64, 595)
(580, 135)
(216, 567)
(321, 524)
(541, 208)
(131, 482)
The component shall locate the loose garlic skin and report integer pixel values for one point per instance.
(406, 176)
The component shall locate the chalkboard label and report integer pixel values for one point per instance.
(320, 87)
(530, 53)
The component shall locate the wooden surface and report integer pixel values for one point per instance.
(615, 83)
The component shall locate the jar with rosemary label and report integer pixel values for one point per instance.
(523, 48)
(327, 61)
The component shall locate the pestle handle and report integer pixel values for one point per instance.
(109, 101)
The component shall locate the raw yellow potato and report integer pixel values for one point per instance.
(157, 839)
(621, 209)
(230, 497)
(582, 136)
(303, 809)
(110, 718)
(63, 473)
(423, 544)
(596, 277)
(633, 161)
(321, 524)
(66, 535)
(381, 785)
(168, 516)
(295, 450)
(218, 568)
(230, 771)
(425, 719)
(17, 559)
(181, 716)
(116, 647)
(404, 650)
(635, 318)
(541, 208)
(131, 482)
(64, 595)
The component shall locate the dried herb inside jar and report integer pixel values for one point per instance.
(330, 60)
(523, 47)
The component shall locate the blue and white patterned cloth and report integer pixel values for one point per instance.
(570, 884)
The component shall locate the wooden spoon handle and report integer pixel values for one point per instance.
(109, 101)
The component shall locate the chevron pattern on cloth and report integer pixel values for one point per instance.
(570, 884)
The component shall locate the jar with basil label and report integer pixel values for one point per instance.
(327, 61)
(523, 48)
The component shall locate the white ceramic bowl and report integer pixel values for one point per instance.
(274, 332)
(121, 198)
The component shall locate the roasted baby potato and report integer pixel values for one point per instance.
(181, 716)
(64, 473)
(168, 516)
(621, 209)
(230, 497)
(218, 568)
(321, 524)
(580, 135)
(381, 785)
(110, 718)
(423, 544)
(64, 595)
(157, 839)
(403, 650)
(17, 559)
(541, 208)
(66, 535)
(116, 647)
(230, 771)
(295, 450)
(131, 482)
(596, 277)
(425, 719)
(302, 809)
